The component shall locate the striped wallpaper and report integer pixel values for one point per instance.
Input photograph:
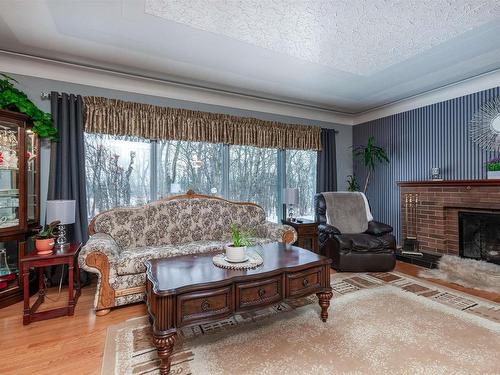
(417, 140)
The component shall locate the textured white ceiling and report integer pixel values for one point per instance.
(347, 56)
(355, 36)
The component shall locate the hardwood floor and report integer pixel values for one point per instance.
(74, 345)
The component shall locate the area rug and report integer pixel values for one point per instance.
(380, 323)
(470, 273)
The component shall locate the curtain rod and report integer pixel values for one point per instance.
(47, 95)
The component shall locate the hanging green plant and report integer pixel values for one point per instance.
(17, 101)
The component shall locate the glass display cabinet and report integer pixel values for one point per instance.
(19, 199)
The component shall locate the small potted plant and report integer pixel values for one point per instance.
(45, 239)
(236, 250)
(493, 169)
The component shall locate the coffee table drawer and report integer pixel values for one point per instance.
(303, 282)
(209, 304)
(260, 292)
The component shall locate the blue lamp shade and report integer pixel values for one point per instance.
(62, 210)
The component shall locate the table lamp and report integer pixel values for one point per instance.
(291, 198)
(63, 211)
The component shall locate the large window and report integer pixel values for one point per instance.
(253, 177)
(188, 165)
(117, 172)
(122, 172)
(301, 174)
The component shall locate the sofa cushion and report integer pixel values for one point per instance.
(131, 261)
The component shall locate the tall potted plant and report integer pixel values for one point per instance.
(371, 156)
(15, 100)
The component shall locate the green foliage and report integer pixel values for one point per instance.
(352, 183)
(48, 231)
(17, 101)
(240, 237)
(370, 155)
(493, 167)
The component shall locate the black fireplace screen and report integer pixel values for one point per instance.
(479, 236)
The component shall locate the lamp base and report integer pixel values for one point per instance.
(60, 246)
(61, 242)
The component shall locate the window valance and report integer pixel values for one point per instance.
(118, 117)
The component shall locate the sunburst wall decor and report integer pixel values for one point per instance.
(485, 125)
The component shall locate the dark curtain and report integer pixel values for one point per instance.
(326, 172)
(67, 164)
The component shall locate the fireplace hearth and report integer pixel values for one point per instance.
(479, 236)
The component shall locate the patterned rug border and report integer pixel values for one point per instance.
(357, 285)
(446, 288)
(429, 284)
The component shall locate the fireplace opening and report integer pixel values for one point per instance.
(479, 236)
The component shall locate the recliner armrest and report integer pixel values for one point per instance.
(376, 228)
(328, 229)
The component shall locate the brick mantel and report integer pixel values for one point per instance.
(439, 205)
(446, 183)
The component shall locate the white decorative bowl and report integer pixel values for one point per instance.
(235, 254)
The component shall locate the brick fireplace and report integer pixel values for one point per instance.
(439, 206)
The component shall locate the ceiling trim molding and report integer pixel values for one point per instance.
(22, 64)
(455, 90)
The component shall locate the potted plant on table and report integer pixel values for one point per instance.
(493, 168)
(240, 239)
(45, 239)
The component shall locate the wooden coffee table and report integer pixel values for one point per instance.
(189, 290)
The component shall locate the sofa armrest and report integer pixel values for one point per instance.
(101, 243)
(378, 229)
(276, 232)
(97, 256)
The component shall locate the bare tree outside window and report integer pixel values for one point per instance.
(301, 174)
(117, 172)
(189, 165)
(253, 177)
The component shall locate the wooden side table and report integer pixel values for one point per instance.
(307, 233)
(64, 256)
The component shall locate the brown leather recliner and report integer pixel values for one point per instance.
(370, 251)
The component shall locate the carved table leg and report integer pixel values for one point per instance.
(324, 302)
(165, 347)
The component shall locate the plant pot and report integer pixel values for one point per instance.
(44, 246)
(235, 254)
(493, 175)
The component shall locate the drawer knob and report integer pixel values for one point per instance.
(205, 305)
(305, 282)
(261, 292)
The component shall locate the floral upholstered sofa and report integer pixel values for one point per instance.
(122, 239)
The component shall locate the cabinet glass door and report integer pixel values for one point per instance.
(9, 176)
(31, 171)
(9, 266)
